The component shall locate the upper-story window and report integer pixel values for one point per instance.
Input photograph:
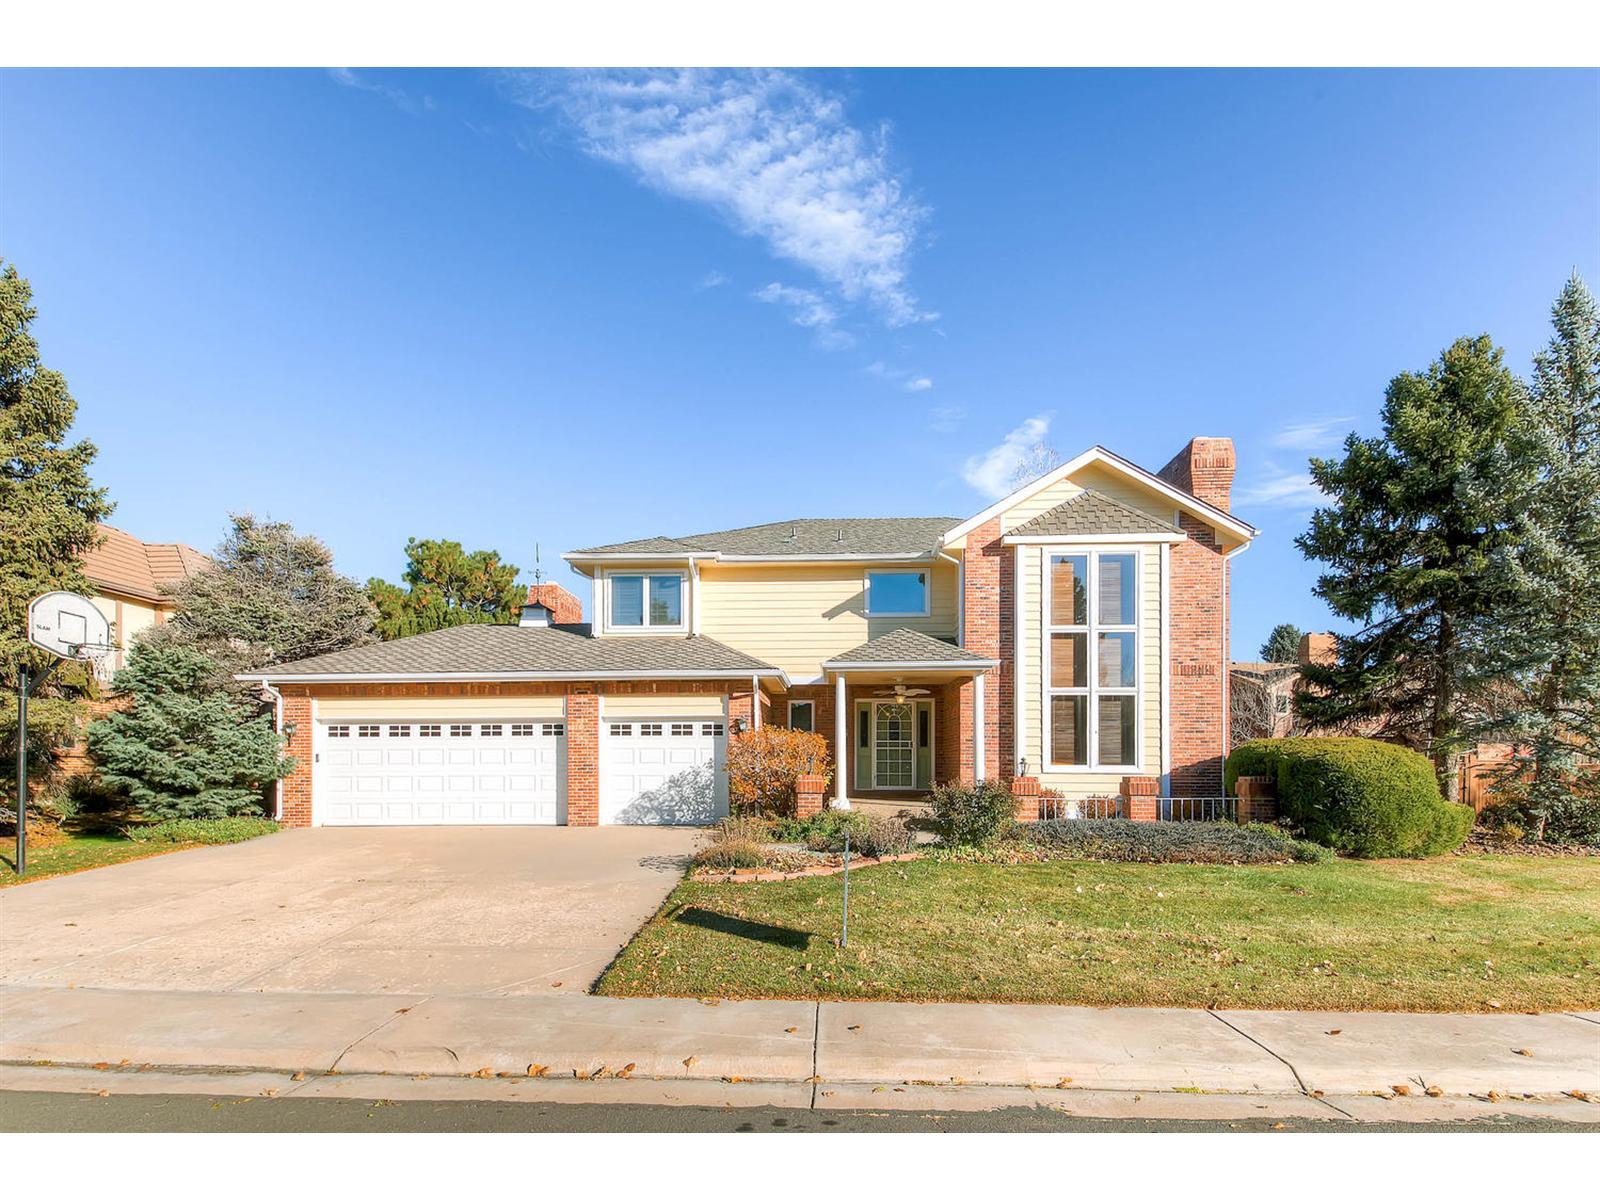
(897, 593)
(646, 601)
(1091, 655)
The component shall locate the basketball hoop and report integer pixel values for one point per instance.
(71, 628)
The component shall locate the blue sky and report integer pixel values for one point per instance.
(520, 308)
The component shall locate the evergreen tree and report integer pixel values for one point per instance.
(185, 748)
(446, 586)
(1548, 640)
(48, 504)
(1282, 644)
(273, 596)
(1418, 514)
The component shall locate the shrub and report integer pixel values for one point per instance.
(732, 854)
(1361, 797)
(821, 831)
(194, 831)
(764, 763)
(884, 836)
(1167, 842)
(1573, 819)
(972, 814)
(53, 725)
(742, 827)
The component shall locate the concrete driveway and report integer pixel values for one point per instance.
(464, 912)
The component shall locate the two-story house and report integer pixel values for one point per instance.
(1074, 632)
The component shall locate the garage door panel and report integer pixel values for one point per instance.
(443, 773)
(663, 772)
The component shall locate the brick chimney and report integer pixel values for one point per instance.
(1204, 469)
(565, 608)
(1318, 648)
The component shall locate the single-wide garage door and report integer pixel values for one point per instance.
(386, 772)
(663, 772)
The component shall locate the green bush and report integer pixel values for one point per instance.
(972, 814)
(197, 831)
(1361, 797)
(1572, 819)
(1167, 842)
(820, 831)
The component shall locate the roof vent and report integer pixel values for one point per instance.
(536, 616)
(838, 535)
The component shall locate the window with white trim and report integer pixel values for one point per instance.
(897, 593)
(653, 601)
(1091, 659)
(802, 715)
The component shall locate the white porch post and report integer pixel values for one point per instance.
(977, 728)
(841, 746)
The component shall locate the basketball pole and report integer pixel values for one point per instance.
(25, 686)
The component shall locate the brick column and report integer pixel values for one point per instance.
(983, 618)
(583, 755)
(809, 791)
(297, 728)
(1258, 799)
(1140, 797)
(1025, 790)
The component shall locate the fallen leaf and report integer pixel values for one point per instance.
(557, 983)
(1494, 1004)
(792, 1029)
(270, 1092)
(1401, 1089)
(1433, 1089)
(482, 1073)
(1334, 1032)
(1524, 1053)
(852, 1028)
(102, 1066)
(1064, 1081)
(1316, 1094)
(1279, 1125)
(297, 1076)
(1577, 1095)
(690, 1061)
(102, 1092)
(537, 1069)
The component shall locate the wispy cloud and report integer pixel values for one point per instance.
(396, 96)
(904, 376)
(992, 471)
(1283, 489)
(946, 418)
(920, 383)
(809, 310)
(713, 279)
(1313, 435)
(771, 152)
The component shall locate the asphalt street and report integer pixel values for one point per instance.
(57, 1112)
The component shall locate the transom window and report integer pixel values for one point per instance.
(428, 730)
(1091, 657)
(522, 731)
(650, 729)
(622, 731)
(489, 731)
(711, 730)
(366, 731)
(683, 729)
(897, 593)
(647, 601)
(399, 731)
(338, 731)
(461, 731)
(555, 729)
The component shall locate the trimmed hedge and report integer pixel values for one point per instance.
(1361, 797)
(1167, 842)
(202, 831)
(972, 814)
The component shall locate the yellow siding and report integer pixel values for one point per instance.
(1031, 694)
(452, 708)
(136, 617)
(795, 617)
(1127, 491)
(663, 706)
(1026, 510)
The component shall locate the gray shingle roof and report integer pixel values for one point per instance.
(908, 646)
(1091, 512)
(804, 538)
(563, 649)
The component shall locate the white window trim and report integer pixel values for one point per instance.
(685, 602)
(927, 593)
(811, 704)
(1093, 691)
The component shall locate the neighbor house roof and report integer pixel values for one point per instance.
(908, 648)
(520, 650)
(122, 563)
(809, 537)
(1091, 512)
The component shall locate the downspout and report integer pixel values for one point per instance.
(277, 727)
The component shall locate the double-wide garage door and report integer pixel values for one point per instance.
(386, 772)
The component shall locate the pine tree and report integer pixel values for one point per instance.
(446, 586)
(273, 596)
(1282, 644)
(185, 748)
(1418, 514)
(1548, 639)
(48, 504)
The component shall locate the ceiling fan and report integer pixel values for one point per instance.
(900, 691)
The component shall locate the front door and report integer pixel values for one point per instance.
(894, 745)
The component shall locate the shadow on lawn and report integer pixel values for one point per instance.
(777, 935)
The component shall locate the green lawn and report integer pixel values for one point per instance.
(76, 852)
(1446, 934)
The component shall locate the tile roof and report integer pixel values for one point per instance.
(122, 563)
(519, 649)
(908, 646)
(1091, 512)
(818, 537)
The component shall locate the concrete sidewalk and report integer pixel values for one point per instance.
(794, 1052)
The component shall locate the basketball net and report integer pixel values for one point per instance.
(97, 658)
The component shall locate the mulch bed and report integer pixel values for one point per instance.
(1481, 842)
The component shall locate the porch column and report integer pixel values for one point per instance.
(841, 745)
(977, 728)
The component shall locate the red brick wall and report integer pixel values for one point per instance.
(1204, 468)
(988, 616)
(565, 608)
(583, 755)
(297, 725)
(1198, 700)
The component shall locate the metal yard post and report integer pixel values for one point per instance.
(22, 770)
(844, 936)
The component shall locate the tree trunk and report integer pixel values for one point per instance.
(1444, 751)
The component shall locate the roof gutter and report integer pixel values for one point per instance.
(977, 664)
(511, 676)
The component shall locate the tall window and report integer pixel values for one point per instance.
(640, 601)
(1091, 659)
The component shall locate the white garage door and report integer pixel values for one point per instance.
(663, 772)
(385, 772)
